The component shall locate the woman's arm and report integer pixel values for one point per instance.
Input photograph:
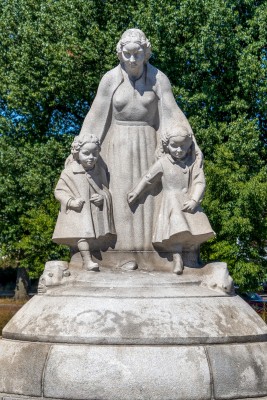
(171, 114)
(98, 119)
(154, 174)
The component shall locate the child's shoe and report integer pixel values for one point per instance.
(88, 263)
(90, 266)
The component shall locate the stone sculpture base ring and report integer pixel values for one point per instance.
(134, 335)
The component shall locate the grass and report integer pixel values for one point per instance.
(8, 308)
(8, 301)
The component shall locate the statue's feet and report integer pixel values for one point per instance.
(129, 266)
(91, 266)
(178, 265)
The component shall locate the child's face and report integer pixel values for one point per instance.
(88, 155)
(178, 146)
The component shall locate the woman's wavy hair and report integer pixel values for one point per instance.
(137, 36)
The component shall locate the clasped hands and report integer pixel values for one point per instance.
(190, 206)
(77, 204)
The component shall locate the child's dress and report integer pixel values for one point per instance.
(91, 222)
(181, 181)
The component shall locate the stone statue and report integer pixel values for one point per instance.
(133, 106)
(54, 274)
(183, 336)
(86, 206)
(181, 219)
(147, 143)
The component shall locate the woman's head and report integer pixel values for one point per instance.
(86, 151)
(133, 48)
(177, 141)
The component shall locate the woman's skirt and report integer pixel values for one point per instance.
(130, 152)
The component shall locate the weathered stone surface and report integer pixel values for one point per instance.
(85, 372)
(135, 308)
(150, 333)
(113, 321)
(53, 275)
(34, 398)
(22, 367)
(127, 372)
(217, 277)
(239, 370)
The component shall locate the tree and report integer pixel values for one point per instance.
(29, 171)
(54, 53)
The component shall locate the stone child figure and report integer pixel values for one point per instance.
(181, 221)
(86, 205)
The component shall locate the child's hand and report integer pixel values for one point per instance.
(76, 204)
(190, 206)
(131, 197)
(97, 199)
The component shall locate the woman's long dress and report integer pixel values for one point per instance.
(130, 151)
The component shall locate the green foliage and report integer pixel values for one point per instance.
(54, 53)
(35, 247)
(29, 171)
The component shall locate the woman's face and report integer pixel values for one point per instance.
(133, 57)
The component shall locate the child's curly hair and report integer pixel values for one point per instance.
(174, 131)
(79, 142)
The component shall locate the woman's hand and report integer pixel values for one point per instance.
(131, 197)
(97, 199)
(190, 206)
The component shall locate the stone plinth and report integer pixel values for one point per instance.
(134, 335)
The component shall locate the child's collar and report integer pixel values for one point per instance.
(77, 168)
(181, 162)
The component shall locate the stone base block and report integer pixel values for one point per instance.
(151, 260)
(89, 372)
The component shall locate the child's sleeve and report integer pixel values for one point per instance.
(154, 174)
(63, 194)
(198, 184)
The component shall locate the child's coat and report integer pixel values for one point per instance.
(92, 221)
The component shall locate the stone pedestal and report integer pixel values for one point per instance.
(118, 335)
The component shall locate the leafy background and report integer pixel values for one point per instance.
(53, 54)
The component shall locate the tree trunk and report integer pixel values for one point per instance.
(22, 284)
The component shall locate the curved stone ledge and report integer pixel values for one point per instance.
(11, 397)
(110, 320)
(6, 396)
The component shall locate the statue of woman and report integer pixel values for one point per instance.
(133, 105)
